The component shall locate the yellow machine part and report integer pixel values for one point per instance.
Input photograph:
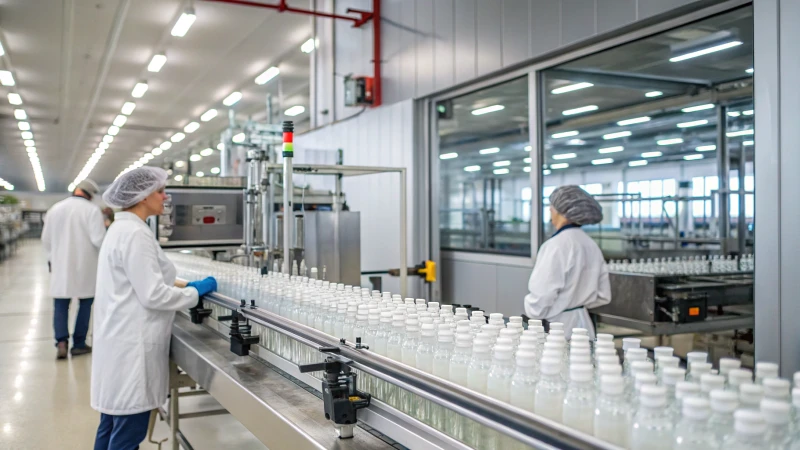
(429, 270)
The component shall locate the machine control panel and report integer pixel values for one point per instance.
(208, 214)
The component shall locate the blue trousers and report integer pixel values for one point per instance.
(61, 318)
(121, 432)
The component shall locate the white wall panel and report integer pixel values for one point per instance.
(613, 14)
(444, 44)
(490, 37)
(515, 28)
(647, 8)
(424, 46)
(466, 43)
(577, 20)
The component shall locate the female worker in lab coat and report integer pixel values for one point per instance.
(135, 303)
(570, 274)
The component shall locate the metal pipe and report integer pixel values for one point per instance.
(267, 191)
(403, 236)
(288, 190)
(723, 173)
(741, 222)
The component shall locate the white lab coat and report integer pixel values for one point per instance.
(570, 272)
(72, 234)
(133, 314)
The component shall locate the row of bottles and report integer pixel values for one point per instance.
(686, 265)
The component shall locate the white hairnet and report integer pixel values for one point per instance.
(576, 205)
(134, 186)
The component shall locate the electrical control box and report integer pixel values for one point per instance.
(358, 91)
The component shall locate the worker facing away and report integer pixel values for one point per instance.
(137, 297)
(72, 235)
(570, 274)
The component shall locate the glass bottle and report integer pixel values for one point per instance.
(776, 415)
(692, 431)
(579, 399)
(748, 431)
(652, 428)
(612, 414)
(550, 390)
(723, 405)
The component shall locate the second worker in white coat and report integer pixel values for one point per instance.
(570, 274)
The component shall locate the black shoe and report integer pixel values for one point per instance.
(62, 350)
(80, 350)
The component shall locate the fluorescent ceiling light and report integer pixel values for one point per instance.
(6, 78)
(220, 146)
(620, 134)
(108, 139)
(706, 148)
(14, 98)
(195, 158)
(207, 152)
(24, 126)
(693, 157)
(694, 123)
(166, 145)
(564, 134)
(705, 51)
(99, 151)
(200, 174)
(2, 50)
(308, 46)
(570, 88)
(148, 156)
(157, 62)
(139, 90)
(232, 99)
(652, 94)
(601, 161)
(157, 151)
(616, 149)
(750, 70)
(208, 115)
(739, 133)
(734, 113)
(27, 135)
(672, 141)
(489, 151)
(178, 178)
(30, 150)
(544, 172)
(20, 114)
(501, 163)
(127, 108)
(472, 168)
(191, 127)
(179, 164)
(559, 166)
(29, 143)
(500, 171)
(527, 160)
(582, 109)
(576, 142)
(267, 75)
(183, 24)
(749, 112)
(295, 111)
(487, 110)
(748, 143)
(639, 163)
(103, 145)
(238, 138)
(651, 154)
(528, 148)
(113, 130)
(698, 108)
(635, 120)
(120, 120)
(177, 137)
(448, 155)
(564, 156)
(215, 170)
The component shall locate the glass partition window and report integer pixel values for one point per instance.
(484, 170)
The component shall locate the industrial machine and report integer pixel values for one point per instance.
(200, 217)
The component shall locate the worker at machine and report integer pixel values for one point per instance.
(137, 296)
(570, 274)
(72, 235)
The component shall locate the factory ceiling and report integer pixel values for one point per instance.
(76, 62)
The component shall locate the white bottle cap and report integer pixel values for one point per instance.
(509, 333)
(550, 353)
(386, 317)
(665, 361)
(550, 366)
(612, 385)
(502, 352)
(447, 308)
(636, 354)
(641, 367)
(580, 345)
(463, 340)
(775, 412)
(653, 396)
(496, 317)
(701, 357)
(751, 394)
(580, 352)
(412, 325)
(556, 326)
(576, 338)
(445, 336)
(796, 398)
(749, 422)
(663, 351)
(461, 310)
(603, 351)
(686, 389)
(605, 337)
(481, 346)
(428, 330)
(777, 388)
(629, 343)
(557, 333)
(536, 328)
(609, 369)
(767, 370)
(699, 368)
(504, 341)
(724, 402)
(558, 340)
(604, 344)
(737, 377)
(580, 332)
(672, 375)
(535, 323)
(374, 316)
(433, 305)
(709, 382)
(478, 314)
(607, 359)
(515, 319)
(696, 408)
(728, 364)
(796, 379)
(580, 372)
(526, 359)
(642, 378)
(579, 359)
(529, 339)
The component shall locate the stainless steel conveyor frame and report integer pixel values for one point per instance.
(236, 380)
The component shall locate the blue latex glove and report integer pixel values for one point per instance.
(204, 286)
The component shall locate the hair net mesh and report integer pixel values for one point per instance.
(576, 205)
(134, 186)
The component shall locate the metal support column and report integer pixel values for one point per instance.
(174, 415)
(403, 235)
(288, 190)
(741, 221)
(723, 174)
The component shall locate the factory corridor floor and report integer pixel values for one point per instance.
(45, 402)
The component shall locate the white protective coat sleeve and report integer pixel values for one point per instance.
(97, 228)
(144, 272)
(603, 290)
(47, 239)
(546, 283)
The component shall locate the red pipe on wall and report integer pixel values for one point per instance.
(376, 52)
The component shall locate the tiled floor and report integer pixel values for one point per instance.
(44, 403)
